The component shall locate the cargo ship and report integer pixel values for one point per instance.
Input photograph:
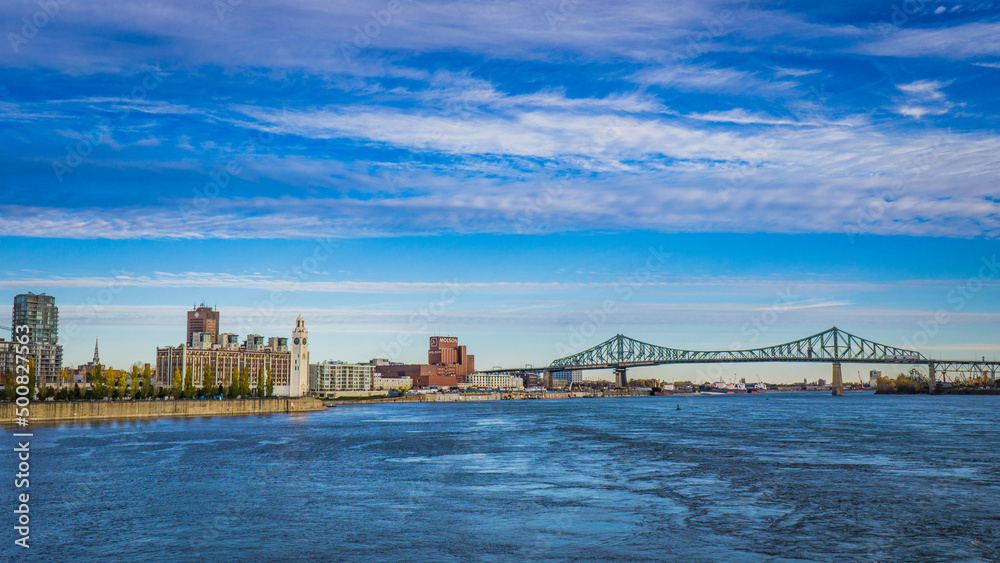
(758, 388)
(665, 391)
(722, 388)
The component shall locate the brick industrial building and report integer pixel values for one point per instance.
(447, 365)
(287, 361)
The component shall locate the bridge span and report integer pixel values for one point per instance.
(833, 345)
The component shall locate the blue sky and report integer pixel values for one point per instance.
(511, 166)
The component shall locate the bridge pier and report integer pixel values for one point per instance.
(931, 377)
(838, 381)
(620, 379)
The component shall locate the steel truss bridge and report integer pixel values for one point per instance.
(833, 346)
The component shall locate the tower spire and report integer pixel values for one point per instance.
(97, 357)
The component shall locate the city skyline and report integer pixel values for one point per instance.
(717, 173)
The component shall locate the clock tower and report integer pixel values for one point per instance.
(298, 381)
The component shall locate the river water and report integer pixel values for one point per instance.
(737, 478)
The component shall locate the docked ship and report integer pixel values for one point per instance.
(758, 388)
(665, 391)
(723, 388)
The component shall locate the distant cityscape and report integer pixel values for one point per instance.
(218, 358)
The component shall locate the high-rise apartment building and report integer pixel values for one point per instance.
(40, 314)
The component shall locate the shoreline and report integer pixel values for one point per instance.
(44, 412)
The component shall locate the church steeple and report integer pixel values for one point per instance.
(97, 357)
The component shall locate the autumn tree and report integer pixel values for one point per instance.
(135, 380)
(269, 384)
(206, 381)
(122, 383)
(260, 382)
(178, 383)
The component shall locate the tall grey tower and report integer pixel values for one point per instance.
(40, 314)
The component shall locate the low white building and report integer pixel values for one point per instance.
(337, 376)
(380, 382)
(494, 381)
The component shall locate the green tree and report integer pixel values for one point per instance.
(260, 382)
(147, 382)
(77, 393)
(9, 386)
(269, 384)
(206, 381)
(189, 382)
(243, 382)
(101, 383)
(32, 379)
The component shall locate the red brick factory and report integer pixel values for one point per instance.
(447, 365)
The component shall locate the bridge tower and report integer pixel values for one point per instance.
(620, 379)
(931, 377)
(838, 381)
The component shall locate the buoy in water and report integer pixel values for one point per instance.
(678, 407)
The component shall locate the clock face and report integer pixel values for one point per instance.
(303, 340)
(296, 340)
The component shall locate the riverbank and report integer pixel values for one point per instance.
(460, 397)
(71, 411)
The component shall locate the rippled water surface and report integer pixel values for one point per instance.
(740, 478)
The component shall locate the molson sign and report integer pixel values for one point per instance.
(438, 341)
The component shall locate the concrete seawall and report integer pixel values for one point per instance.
(48, 411)
(462, 397)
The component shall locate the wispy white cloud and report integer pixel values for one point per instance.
(963, 41)
(923, 97)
